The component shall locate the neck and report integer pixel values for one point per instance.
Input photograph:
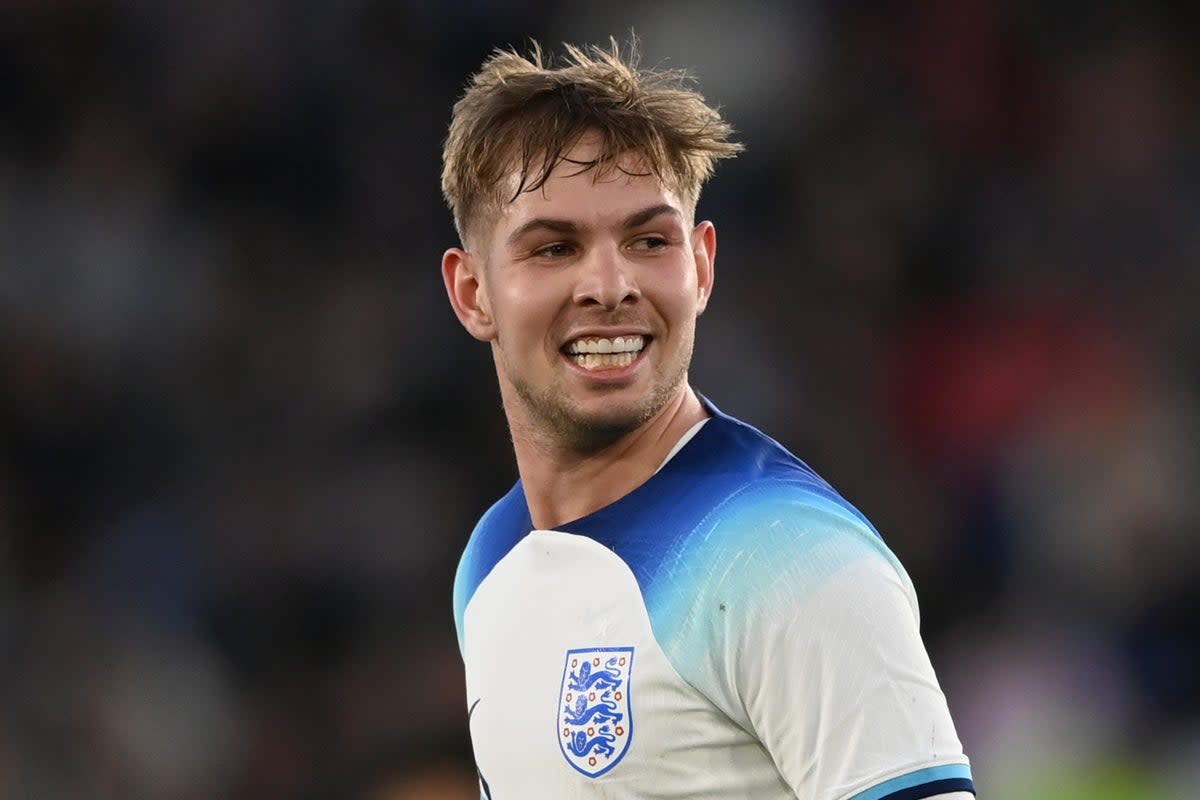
(562, 484)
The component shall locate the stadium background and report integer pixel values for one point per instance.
(242, 439)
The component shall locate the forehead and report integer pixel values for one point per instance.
(587, 194)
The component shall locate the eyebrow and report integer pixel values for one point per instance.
(556, 225)
(639, 218)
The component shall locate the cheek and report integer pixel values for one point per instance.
(527, 313)
(678, 295)
(681, 277)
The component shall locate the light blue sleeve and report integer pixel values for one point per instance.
(794, 618)
(762, 551)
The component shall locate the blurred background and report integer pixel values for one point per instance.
(243, 439)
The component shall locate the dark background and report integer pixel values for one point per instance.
(243, 440)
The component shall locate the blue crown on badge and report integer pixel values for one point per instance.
(595, 720)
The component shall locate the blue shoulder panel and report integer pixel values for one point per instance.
(498, 531)
(705, 482)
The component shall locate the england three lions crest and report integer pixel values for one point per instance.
(595, 720)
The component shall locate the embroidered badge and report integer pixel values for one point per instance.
(595, 721)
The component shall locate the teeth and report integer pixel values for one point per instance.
(621, 344)
(604, 360)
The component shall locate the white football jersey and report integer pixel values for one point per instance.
(732, 628)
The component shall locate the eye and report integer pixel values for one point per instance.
(651, 243)
(555, 250)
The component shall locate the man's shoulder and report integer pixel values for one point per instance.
(506, 515)
(496, 533)
(733, 496)
(758, 480)
(782, 524)
(768, 543)
(767, 516)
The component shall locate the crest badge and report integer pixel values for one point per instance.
(595, 720)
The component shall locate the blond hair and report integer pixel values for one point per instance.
(520, 114)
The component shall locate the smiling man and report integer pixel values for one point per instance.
(667, 604)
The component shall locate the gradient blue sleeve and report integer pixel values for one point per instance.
(790, 613)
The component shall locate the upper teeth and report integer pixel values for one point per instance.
(621, 344)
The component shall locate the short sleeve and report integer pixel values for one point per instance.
(796, 620)
(838, 687)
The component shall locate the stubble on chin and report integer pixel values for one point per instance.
(558, 423)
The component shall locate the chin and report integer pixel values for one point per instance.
(593, 425)
(589, 429)
(591, 421)
(625, 418)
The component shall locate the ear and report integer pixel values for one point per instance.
(468, 297)
(704, 249)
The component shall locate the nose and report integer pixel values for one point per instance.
(606, 279)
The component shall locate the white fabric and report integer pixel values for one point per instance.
(835, 685)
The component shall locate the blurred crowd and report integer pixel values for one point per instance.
(243, 440)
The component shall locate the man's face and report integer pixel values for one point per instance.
(591, 288)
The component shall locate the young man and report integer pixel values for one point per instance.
(667, 604)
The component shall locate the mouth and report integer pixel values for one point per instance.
(595, 353)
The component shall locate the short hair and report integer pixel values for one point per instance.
(523, 114)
